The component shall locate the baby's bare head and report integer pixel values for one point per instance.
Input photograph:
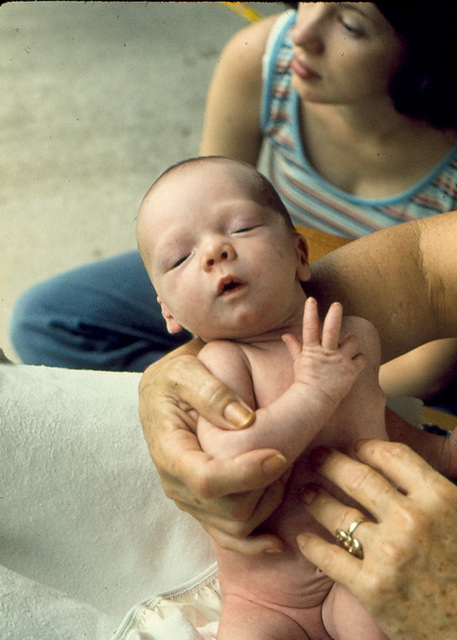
(258, 186)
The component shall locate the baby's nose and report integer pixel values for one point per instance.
(223, 256)
(217, 254)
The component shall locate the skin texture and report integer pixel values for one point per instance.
(407, 578)
(279, 594)
(203, 228)
(413, 303)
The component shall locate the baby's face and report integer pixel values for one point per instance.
(224, 265)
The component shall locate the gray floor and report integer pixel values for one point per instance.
(97, 99)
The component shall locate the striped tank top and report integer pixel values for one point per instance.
(310, 199)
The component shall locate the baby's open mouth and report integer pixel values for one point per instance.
(228, 284)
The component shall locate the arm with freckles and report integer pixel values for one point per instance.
(402, 279)
(324, 372)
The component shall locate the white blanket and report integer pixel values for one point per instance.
(85, 531)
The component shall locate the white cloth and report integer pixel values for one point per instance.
(85, 531)
(34, 611)
(189, 613)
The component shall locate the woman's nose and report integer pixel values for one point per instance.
(308, 30)
(217, 252)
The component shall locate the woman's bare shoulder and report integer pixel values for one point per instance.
(232, 115)
(248, 44)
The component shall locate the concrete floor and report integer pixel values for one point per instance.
(97, 99)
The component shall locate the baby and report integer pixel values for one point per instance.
(228, 265)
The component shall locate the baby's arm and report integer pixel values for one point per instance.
(324, 372)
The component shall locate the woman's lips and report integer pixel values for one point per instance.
(303, 71)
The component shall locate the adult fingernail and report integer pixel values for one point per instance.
(301, 539)
(308, 495)
(273, 550)
(274, 463)
(238, 415)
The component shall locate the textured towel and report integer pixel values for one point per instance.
(82, 510)
(34, 611)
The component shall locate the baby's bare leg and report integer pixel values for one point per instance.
(245, 620)
(346, 619)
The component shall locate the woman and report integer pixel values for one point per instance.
(356, 102)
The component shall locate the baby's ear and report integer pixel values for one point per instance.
(173, 325)
(303, 270)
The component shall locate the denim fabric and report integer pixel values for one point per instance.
(102, 316)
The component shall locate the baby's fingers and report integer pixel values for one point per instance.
(294, 346)
(311, 326)
(332, 326)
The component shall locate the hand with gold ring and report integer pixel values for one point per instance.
(347, 540)
(403, 567)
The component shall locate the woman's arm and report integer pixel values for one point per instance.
(232, 116)
(407, 578)
(402, 279)
(421, 373)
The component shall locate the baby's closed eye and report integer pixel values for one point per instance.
(175, 263)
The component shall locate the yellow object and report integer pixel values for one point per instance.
(244, 10)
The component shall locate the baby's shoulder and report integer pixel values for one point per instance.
(226, 352)
(359, 325)
(366, 333)
(228, 362)
(227, 347)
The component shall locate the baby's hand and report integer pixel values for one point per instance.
(323, 362)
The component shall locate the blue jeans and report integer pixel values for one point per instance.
(105, 316)
(100, 316)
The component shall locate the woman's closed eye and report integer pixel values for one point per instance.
(351, 21)
(352, 29)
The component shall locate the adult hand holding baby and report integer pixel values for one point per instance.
(230, 497)
(414, 511)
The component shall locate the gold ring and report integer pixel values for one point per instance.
(347, 540)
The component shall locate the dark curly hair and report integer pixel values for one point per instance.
(425, 87)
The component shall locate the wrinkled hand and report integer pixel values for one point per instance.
(229, 497)
(323, 361)
(408, 576)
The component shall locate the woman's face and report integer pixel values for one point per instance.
(344, 52)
